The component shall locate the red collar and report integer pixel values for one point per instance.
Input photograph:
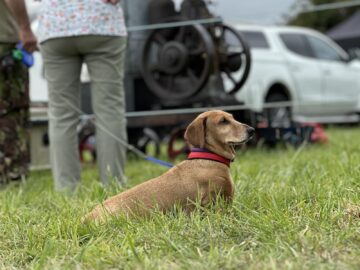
(200, 153)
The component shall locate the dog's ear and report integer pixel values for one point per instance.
(196, 132)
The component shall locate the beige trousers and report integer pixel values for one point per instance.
(63, 58)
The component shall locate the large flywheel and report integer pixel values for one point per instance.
(177, 62)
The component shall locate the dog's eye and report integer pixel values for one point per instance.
(224, 121)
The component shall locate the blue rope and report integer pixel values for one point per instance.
(160, 162)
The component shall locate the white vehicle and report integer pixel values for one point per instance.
(303, 67)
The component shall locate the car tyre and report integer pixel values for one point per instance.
(278, 117)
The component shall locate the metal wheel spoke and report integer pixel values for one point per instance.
(228, 74)
(155, 68)
(181, 34)
(170, 82)
(198, 51)
(192, 75)
(158, 38)
(236, 52)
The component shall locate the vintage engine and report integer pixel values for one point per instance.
(182, 65)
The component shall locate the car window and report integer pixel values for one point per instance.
(297, 43)
(323, 50)
(255, 39)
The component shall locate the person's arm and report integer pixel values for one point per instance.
(27, 37)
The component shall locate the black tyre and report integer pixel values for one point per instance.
(278, 116)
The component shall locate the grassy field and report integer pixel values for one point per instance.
(293, 209)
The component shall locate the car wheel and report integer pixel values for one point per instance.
(278, 116)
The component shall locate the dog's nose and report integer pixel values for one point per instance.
(250, 131)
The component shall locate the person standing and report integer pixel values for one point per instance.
(72, 33)
(14, 91)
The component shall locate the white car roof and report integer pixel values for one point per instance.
(271, 28)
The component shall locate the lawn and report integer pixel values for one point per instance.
(293, 209)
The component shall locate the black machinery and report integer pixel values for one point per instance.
(184, 63)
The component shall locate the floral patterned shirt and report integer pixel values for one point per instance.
(65, 18)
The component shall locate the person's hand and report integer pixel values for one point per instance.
(28, 40)
(114, 2)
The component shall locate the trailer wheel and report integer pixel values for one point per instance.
(177, 144)
(149, 142)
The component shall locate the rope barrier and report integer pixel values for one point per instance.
(121, 141)
(172, 24)
(162, 112)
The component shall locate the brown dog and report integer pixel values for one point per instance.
(202, 177)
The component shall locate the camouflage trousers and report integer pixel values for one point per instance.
(14, 119)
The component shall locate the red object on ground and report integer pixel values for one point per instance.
(318, 135)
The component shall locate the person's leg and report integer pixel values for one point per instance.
(62, 72)
(14, 119)
(104, 57)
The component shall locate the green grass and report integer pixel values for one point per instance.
(293, 209)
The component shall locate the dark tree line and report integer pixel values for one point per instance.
(321, 20)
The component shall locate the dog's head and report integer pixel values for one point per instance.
(218, 132)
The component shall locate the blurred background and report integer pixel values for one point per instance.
(282, 66)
